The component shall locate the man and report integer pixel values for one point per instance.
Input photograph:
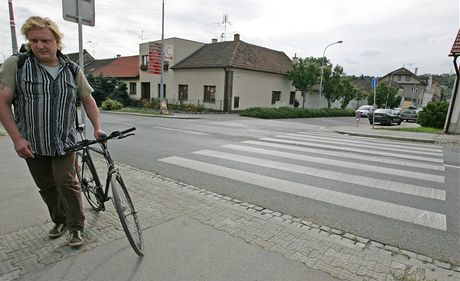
(43, 92)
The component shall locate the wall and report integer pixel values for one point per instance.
(255, 88)
(182, 49)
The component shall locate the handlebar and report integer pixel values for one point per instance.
(115, 134)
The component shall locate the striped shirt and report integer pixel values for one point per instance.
(44, 107)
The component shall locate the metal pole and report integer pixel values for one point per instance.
(14, 42)
(162, 48)
(322, 72)
(375, 107)
(80, 57)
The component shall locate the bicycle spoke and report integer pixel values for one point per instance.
(127, 214)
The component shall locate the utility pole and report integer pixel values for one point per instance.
(162, 49)
(14, 41)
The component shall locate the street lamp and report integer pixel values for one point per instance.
(322, 72)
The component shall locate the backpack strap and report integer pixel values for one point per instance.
(22, 59)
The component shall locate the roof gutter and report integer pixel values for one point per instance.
(454, 96)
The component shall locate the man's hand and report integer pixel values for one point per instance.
(23, 148)
(99, 134)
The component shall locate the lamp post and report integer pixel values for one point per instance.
(322, 72)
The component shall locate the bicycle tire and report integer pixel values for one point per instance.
(86, 175)
(127, 214)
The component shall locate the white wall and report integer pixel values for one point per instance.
(255, 88)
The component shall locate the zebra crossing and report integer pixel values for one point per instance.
(399, 168)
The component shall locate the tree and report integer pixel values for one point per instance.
(107, 87)
(386, 97)
(348, 93)
(304, 75)
(332, 88)
(359, 96)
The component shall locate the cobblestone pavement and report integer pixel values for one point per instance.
(158, 199)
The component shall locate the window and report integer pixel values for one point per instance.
(164, 91)
(210, 94)
(399, 77)
(183, 92)
(145, 90)
(407, 78)
(276, 95)
(236, 102)
(145, 60)
(291, 98)
(132, 88)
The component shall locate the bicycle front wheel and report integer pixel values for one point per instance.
(87, 176)
(127, 214)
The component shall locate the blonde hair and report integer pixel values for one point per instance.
(39, 22)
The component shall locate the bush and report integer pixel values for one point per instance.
(288, 112)
(109, 104)
(433, 115)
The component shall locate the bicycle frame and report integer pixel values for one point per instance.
(110, 166)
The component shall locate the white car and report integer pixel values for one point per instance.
(364, 110)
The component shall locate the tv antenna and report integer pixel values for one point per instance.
(224, 22)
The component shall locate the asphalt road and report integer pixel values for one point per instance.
(409, 199)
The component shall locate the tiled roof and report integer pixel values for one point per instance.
(122, 67)
(87, 58)
(456, 47)
(237, 54)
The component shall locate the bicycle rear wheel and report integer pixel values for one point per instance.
(127, 214)
(86, 174)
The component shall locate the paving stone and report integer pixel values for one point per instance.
(391, 249)
(10, 276)
(442, 264)
(7, 266)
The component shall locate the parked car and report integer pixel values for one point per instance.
(397, 109)
(409, 115)
(364, 110)
(385, 116)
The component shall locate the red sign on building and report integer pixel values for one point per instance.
(154, 59)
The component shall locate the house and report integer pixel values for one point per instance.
(226, 76)
(415, 90)
(124, 68)
(452, 124)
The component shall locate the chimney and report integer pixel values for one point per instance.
(214, 40)
(295, 59)
(236, 37)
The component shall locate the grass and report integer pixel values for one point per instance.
(418, 130)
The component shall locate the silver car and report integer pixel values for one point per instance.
(364, 110)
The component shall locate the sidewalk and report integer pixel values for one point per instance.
(190, 234)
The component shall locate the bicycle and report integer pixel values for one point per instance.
(95, 192)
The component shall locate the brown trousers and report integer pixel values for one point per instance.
(55, 177)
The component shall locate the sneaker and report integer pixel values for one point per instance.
(76, 238)
(57, 230)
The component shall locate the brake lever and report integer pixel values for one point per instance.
(124, 136)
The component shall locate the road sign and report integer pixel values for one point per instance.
(154, 58)
(374, 83)
(70, 11)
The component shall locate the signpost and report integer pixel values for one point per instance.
(81, 12)
(374, 85)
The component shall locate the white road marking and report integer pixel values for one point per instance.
(180, 130)
(351, 155)
(363, 143)
(366, 151)
(372, 206)
(340, 142)
(416, 190)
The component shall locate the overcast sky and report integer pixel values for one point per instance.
(378, 36)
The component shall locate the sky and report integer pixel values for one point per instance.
(378, 36)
